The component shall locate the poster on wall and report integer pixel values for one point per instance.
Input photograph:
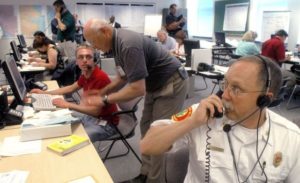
(235, 18)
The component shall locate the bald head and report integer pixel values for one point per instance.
(99, 34)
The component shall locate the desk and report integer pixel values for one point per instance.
(48, 167)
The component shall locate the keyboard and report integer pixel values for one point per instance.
(42, 102)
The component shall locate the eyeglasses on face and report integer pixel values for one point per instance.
(233, 90)
(85, 57)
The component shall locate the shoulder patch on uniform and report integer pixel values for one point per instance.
(182, 115)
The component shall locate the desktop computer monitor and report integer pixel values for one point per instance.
(16, 52)
(15, 81)
(22, 41)
(220, 38)
(190, 44)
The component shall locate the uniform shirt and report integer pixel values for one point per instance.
(99, 80)
(245, 48)
(68, 34)
(281, 155)
(138, 57)
(274, 49)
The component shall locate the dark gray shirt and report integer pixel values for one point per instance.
(142, 58)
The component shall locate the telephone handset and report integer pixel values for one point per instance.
(218, 114)
(13, 117)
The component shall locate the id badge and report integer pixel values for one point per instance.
(120, 71)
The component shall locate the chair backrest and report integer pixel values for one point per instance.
(281, 94)
(130, 106)
(127, 117)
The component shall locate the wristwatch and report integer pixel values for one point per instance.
(105, 100)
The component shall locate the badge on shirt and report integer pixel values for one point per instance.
(182, 115)
(277, 159)
(120, 71)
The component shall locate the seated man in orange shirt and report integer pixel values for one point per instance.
(97, 121)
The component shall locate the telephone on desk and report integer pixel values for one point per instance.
(8, 116)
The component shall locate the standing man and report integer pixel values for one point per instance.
(113, 23)
(148, 70)
(92, 77)
(166, 41)
(174, 23)
(65, 22)
(274, 49)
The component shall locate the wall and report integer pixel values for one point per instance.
(71, 5)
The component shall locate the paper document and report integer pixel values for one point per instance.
(49, 118)
(87, 179)
(15, 176)
(11, 146)
(221, 69)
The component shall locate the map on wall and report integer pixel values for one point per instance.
(8, 21)
(31, 19)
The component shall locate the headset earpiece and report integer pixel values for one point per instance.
(263, 101)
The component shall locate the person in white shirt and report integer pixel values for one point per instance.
(166, 41)
(249, 144)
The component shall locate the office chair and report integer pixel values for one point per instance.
(296, 70)
(280, 97)
(125, 129)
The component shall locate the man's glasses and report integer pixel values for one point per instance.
(87, 57)
(233, 90)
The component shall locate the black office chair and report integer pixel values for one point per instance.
(280, 97)
(296, 70)
(125, 129)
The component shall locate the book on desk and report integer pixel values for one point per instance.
(68, 144)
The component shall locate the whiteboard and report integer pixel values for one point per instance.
(273, 21)
(152, 24)
(235, 18)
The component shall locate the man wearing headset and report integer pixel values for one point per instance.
(250, 144)
(97, 121)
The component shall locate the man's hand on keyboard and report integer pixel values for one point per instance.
(61, 103)
(37, 91)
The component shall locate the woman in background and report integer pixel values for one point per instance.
(247, 45)
(53, 61)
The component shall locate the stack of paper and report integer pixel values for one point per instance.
(46, 124)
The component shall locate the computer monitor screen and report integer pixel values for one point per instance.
(220, 38)
(190, 44)
(22, 41)
(15, 80)
(16, 52)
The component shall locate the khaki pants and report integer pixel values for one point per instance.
(161, 104)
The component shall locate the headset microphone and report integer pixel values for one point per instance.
(227, 127)
(89, 67)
